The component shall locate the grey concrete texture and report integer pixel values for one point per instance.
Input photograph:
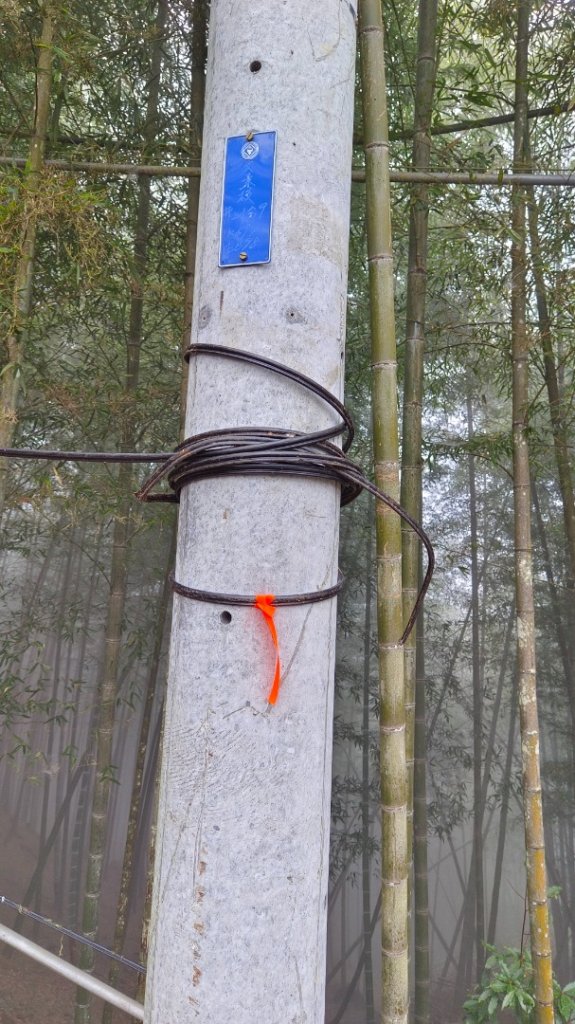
(239, 916)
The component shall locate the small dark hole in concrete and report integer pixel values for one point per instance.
(226, 618)
(255, 66)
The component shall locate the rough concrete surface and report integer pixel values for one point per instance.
(239, 919)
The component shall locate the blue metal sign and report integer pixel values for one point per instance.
(247, 200)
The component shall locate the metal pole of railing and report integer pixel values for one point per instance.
(483, 178)
(67, 970)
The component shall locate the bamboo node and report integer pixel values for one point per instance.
(380, 256)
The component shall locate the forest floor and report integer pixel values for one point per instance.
(29, 992)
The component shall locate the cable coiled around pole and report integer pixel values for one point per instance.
(272, 451)
(249, 451)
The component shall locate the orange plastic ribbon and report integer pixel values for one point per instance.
(265, 604)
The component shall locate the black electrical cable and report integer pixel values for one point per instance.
(58, 455)
(272, 451)
(250, 451)
(285, 600)
(76, 936)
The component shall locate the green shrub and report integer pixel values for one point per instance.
(507, 984)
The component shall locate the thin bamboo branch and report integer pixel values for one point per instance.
(394, 859)
(468, 124)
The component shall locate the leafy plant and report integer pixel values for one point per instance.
(507, 984)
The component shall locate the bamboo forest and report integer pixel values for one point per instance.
(165, 762)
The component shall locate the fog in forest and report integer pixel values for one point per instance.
(96, 278)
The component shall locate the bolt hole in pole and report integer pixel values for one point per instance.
(226, 618)
(255, 66)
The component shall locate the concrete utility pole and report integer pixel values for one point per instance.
(239, 918)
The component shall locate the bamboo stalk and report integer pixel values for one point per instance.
(557, 409)
(394, 858)
(121, 536)
(502, 832)
(557, 614)
(477, 683)
(411, 483)
(365, 789)
(526, 665)
(135, 836)
(420, 869)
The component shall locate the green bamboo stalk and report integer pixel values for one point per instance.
(526, 665)
(477, 677)
(421, 1008)
(557, 612)
(108, 683)
(24, 277)
(394, 856)
(198, 24)
(365, 790)
(411, 484)
(557, 410)
(134, 835)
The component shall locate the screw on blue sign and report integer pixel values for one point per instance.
(247, 200)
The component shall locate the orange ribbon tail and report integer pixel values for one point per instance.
(264, 603)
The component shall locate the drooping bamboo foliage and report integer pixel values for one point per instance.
(411, 487)
(394, 855)
(526, 665)
(10, 379)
